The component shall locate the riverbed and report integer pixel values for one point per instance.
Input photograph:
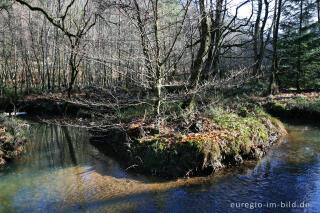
(60, 171)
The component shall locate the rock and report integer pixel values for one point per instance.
(238, 160)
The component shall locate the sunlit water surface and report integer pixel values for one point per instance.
(61, 171)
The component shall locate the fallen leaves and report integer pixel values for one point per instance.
(214, 135)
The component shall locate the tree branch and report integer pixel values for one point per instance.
(49, 18)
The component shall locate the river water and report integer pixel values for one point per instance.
(61, 171)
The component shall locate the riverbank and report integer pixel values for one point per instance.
(12, 138)
(210, 141)
(183, 145)
(293, 107)
(47, 170)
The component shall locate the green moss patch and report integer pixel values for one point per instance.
(295, 109)
(213, 140)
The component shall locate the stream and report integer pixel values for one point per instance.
(60, 171)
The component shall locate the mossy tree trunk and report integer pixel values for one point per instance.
(212, 62)
(199, 62)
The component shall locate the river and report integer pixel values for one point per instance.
(61, 171)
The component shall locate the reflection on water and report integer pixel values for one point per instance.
(61, 172)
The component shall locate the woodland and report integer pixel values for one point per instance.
(165, 72)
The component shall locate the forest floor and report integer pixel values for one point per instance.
(218, 137)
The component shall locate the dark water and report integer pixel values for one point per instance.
(61, 172)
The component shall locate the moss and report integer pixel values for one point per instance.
(227, 139)
(12, 138)
(275, 108)
(135, 111)
(173, 108)
(247, 127)
(306, 104)
(245, 132)
(295, 109)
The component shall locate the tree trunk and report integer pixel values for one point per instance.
(73, 68)
(200, 59)
(143, 39)
(256, 39)
(318, 11)
(259, 41)
(274, 84)
(211, 64)
(158, 74)
(298, 76)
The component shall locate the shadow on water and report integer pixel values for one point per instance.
(61, 171)
(70, 145)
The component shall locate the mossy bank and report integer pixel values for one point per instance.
(12, 138)
(296, 108)
(212, 140)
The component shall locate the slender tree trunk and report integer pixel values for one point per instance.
(256, 39)
(274, 84)
(15, 70)
(158, 72)
(46, 56)
(200, 58)
(212, 62)
(262, 39)
(143, 38)
(318, 11)
(120, 73)
(259, 40)
(299, 49)
(73, 69)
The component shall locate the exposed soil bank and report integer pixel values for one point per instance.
(212, 141)
(295, 108)
(12, 138)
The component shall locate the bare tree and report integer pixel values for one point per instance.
(157, 48)
(259, 40)
(212, 41)
(74, 32)
(200, 58)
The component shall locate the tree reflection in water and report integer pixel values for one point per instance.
(62, 171)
